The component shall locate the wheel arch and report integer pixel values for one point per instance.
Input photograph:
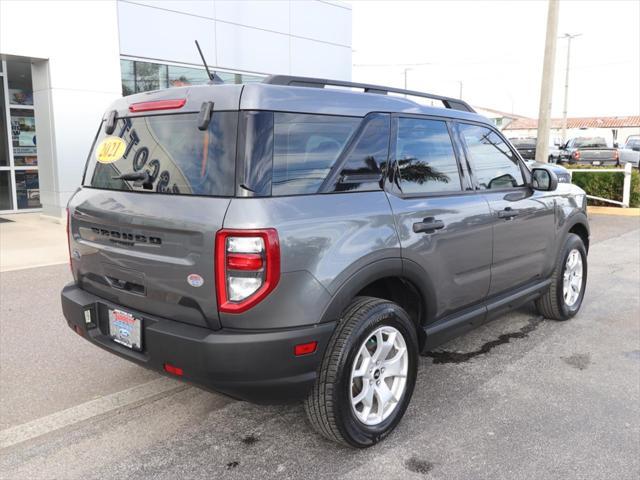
(581, 229)
(402, 282)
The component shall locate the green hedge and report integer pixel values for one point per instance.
(606, 185)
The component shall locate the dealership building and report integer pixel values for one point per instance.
(58, 76)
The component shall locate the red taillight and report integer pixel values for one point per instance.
(173, 370)
(576, 155)
(69, 238)
(615, 155)
(247, 267)
(305, 348)
(157, 105)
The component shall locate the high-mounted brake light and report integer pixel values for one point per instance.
(247, 267)
(157, 105)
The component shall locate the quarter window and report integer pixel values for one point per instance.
(494, 164)
(305, 147)
(426, 161)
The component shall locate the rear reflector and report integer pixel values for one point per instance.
(244, 261)
(173, 370)
(305, 348)
(157, 105)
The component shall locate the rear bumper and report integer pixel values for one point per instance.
(257, 366)
(609, 162)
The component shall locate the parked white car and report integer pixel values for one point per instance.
(630, 152)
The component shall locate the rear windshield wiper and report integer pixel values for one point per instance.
(139, 178)
(133, 176)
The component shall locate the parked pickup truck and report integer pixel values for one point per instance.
(526, 147)
(630, 152)
(588, 151)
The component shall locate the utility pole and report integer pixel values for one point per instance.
(406, 70)
(546, 89)
(569, 37)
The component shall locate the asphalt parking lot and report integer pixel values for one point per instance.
(522, 397)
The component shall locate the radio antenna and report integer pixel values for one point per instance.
(212, 76)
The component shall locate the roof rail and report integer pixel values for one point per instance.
(292, 81)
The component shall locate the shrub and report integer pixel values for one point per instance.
(606, 185)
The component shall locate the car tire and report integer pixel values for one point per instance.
(562, 300)
(353, 348)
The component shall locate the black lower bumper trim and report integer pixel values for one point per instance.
(257, 366)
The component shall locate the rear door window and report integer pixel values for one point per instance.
(305, 147)
(426, 161)
(169, 153)
(494, 164)
(366, 162)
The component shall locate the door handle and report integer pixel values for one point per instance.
(508, 213)
(428, 225)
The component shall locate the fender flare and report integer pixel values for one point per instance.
(388, 267)
(571, 221)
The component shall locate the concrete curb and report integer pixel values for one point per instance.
(625, 212)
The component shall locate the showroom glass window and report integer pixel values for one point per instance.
(138, 76)
(19, 179)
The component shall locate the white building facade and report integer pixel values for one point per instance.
(77, 57)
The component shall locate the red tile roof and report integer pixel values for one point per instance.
(580, 122)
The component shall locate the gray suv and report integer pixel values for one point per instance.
(302, 239)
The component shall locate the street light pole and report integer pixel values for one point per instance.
(569, 37)
(546, 88)
(406, 70)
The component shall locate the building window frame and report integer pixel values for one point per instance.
(12, 168)
(237, 74)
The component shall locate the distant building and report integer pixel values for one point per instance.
(500, 119)
(612, 129)
(63, 63)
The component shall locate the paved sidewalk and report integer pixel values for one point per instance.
(30, 240)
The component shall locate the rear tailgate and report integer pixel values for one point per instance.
(151, 253)
(607, 155)
(155, 192)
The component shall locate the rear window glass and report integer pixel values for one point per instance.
(523, 142)
(167, 154)
(305, 147)
(588, 142)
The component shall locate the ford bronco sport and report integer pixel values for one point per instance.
(302, 239)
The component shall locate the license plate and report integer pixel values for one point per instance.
(125, 329)
(596, 162)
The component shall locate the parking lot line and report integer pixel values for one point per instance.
(55, 421)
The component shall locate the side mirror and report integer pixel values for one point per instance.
(544, 179)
